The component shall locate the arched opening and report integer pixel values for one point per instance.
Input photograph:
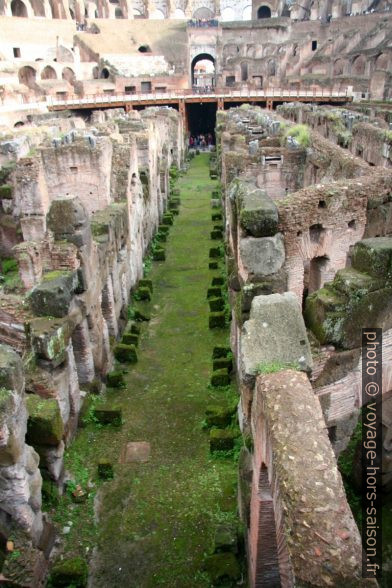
(247, 13)
(228, 14)
(18, 8)
(264, 12)
(48, 73)
(315, 275)
(244, 72)
(382, 61)
(27, 75)
(358, 66)
(144, 49)
(157, 15)
(72, 14)
(203, 71)
(137, 13)
(68, 74)
(178, 13)
(38, 7)
(271, 68)
(104, 73)
(203, 13)
(338, 67)
(55, 9)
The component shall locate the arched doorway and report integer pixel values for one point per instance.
(68, 74)
(27, 76)
(203, 71)
(264, 12)
(48, 73)
(18, 8)
(203, 13)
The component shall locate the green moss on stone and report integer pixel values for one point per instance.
(45, 425)
(108, 415)
(105, 469)
(130, 339)
(222, 439)
(222, 363)
(220, 377)
(216, 304)
(214, 292)
(70, 572)
(125, 353)
(221, 351)
(219, 416)
(115, 379)
(6, 192)
(159, 254)
(217, 320)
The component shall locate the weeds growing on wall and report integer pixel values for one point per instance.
(301, 133)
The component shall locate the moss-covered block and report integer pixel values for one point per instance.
(222, 439)
(216, 235)
(53, 296)
(215, 252)
(108, 415)
(163, 229)
(45, 425)
(125, 353)
(70, 572)
(220, 351)
(115, 380)
(214, 292)
(216, 304)
(167, 219)
(217, 281)
(161, 237)
(159, 254)
(220, 377)
(6, 192)
(373, 256)
(50, 492)
(215, 194)
(133, 328)
(105, 469)
(216, 216)
(143, 293)
(317, 306)
(222, 363)
(219, 416)
(213, 265)
(141, 315)
(226, 538)
(217, 320)
(130, 339)
(175, 192)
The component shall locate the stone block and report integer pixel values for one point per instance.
(216, 304)
(226, 538)
(222, 569)
(108, 415)
(69, 572)
(167, 219)
(133, 328)
(262, 257)
(163, 229)
(159, 254)
(220, 377)
(213, 265)
(130, 339)
(216, 235)
(373, 256)
(214, 292)
(125, 353)
(219, 416)
(216, 216)
(105, 469)
(45, 425)
(115, 380)
(217, 281)
(49, 338)
(161, 237)
(53, 296)
(217, 320)
(222, 439)
(215, 252)
(222, 363)
(5, 192)
(275, 335)
(258, 214)
(145, 283)
(220, 351)
(141, 315)
(143, 293)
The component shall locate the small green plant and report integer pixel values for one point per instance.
(275, 366)
(300, 133)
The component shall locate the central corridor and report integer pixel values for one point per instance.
(156, 520)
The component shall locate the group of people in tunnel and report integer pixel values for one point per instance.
(201, 141)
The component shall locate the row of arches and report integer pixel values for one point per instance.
(28, 75)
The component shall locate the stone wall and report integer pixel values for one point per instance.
(88, 204)
(286, 250)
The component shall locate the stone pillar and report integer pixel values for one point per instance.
(109, 308)
(84, 357)
(20, 478)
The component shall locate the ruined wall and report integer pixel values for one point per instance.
(88, 204)
(282, 252)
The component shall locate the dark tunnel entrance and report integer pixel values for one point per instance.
(201, 119)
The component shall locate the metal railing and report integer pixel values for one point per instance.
(25, 102)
